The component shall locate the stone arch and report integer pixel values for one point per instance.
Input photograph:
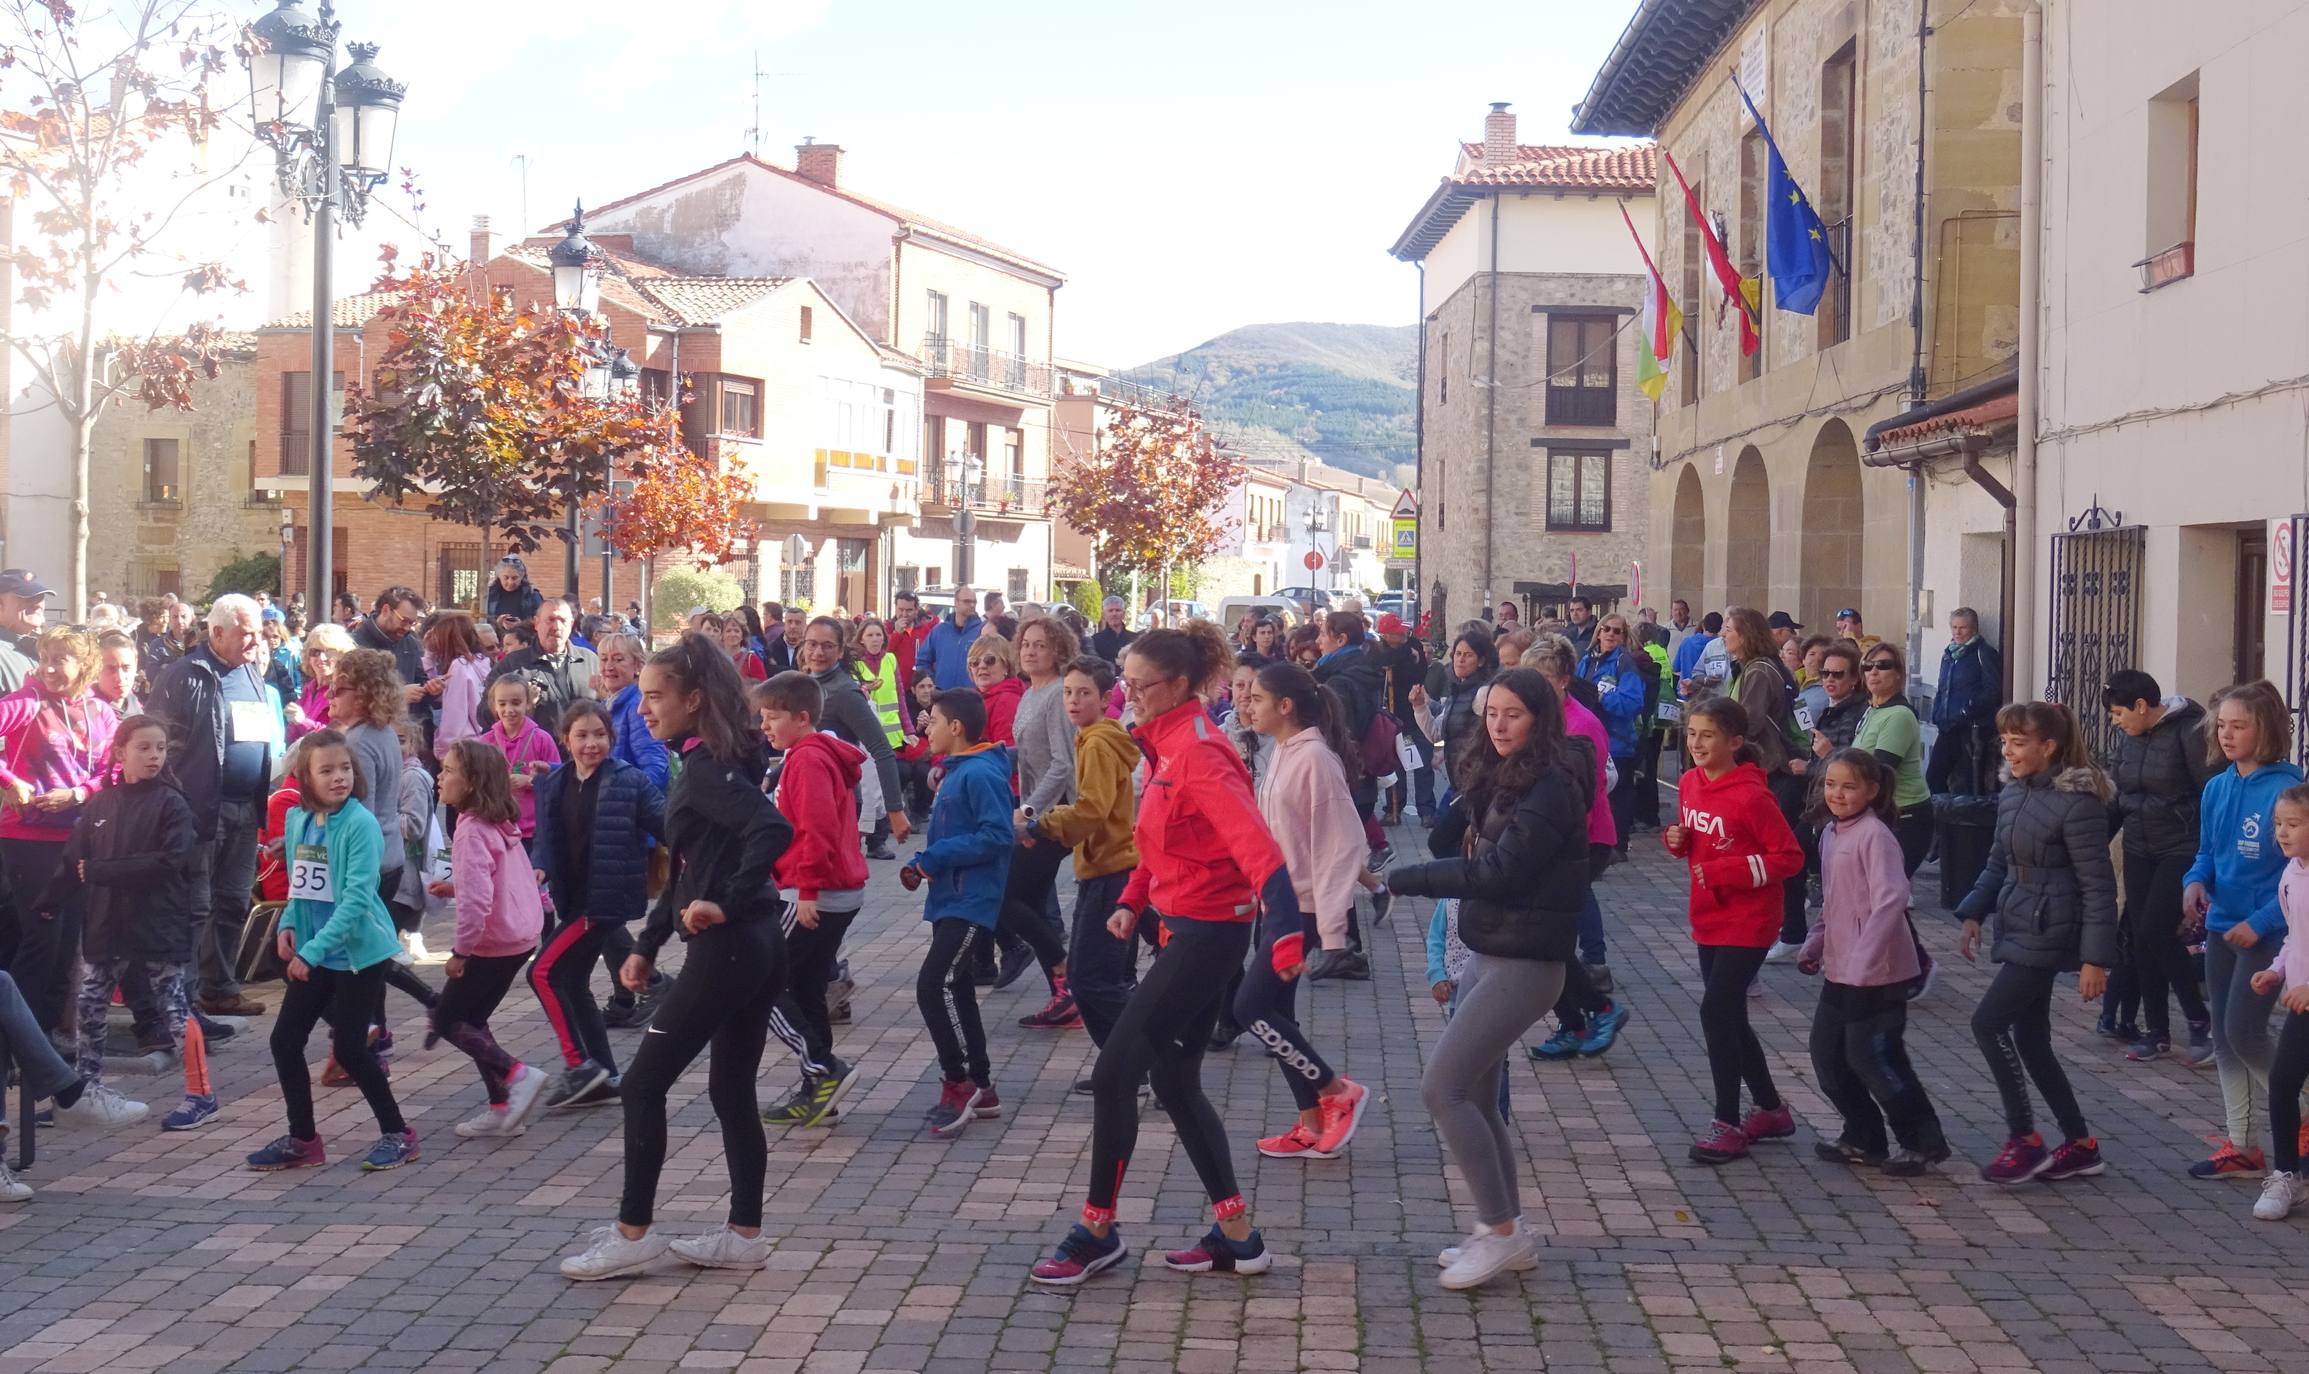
(1834, 526)
(1748, 533)
(1688, 544)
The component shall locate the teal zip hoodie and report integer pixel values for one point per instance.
(2237, 856)
(354, 931)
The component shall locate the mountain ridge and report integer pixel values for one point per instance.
(1340, 393)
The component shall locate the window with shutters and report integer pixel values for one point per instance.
(1578, 491)
(1582, 369)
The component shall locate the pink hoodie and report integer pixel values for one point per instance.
(498, 911)
(1303, 795)
(1862, 939)
(1578, 720)
(2292, 957)
(532, 745)
(52, 745)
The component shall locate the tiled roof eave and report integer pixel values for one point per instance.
(1667, 46)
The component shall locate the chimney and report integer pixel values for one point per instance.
(484, 248)
(1498, 135)
(819, 162)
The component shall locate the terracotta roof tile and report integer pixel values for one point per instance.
(1985, 417)
(705, 300)
(347, 312)
(1565, 167)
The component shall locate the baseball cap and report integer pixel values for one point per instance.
(1392, 624)
(21, 582)
(1781, 620)
(1848, 614)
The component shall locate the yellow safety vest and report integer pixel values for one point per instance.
(881, 685)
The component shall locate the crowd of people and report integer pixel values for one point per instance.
(203, 801)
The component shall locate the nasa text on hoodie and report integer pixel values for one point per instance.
(1740, 850)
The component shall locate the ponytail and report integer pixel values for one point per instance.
(1730, 717)
(1317, 707)
(1196, 651)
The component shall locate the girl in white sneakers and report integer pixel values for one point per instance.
(2288, 968)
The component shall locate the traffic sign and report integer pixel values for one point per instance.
(2281, 552)
(1313, 560)
(1406, 505)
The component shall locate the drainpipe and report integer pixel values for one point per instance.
(1491, 409)
(2020, 636)
(1418, 444)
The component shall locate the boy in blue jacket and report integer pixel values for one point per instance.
(966, 864)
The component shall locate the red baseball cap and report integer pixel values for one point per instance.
(1392, 624)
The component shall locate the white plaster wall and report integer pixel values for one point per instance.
(40, 489)
(1540, 231)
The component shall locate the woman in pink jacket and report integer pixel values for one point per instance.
(460, 672)
(1308, 808)
(1863, 944)
(498, 918)
(55, 735)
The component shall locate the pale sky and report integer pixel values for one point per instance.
(1191, 167)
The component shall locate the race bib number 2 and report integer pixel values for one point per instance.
(309, 875)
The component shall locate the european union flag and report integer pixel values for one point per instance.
(1795, 241)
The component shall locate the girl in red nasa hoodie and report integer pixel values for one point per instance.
(1741, 850)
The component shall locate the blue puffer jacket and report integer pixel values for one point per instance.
(1619, 688)
(967, 857)
(629, 810)
(634, 743)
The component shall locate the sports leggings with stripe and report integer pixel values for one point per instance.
(1160, 1038)
(562, 975)
(949, 1000)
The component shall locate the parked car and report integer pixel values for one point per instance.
(1404, 604)
(1233, 608)
(1307, 599)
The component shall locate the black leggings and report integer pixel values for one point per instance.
(720, 999)
(2013, 1025)
(2160, 961)
(47, 947)
(461, 1015)
(394, 973)
(1160, 1039)
(1033, 871)
(948, 998)
(1734, 1054)
(798, 1018)
(2288, 1071)
(1266, 1006)
(347, 1001)
(1100, 970)
(1860, 1053)
(562, 978)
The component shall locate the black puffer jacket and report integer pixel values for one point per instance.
(2048, 882)
(1523, 874)
(2160, 779)
(138, 843)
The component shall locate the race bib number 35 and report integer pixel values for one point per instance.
(309, 875)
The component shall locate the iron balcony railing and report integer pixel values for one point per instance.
(960, 362)
(945, 484)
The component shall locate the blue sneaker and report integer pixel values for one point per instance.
(1564, 1044)
(288, 1152)
(391, 1152)
(1080, 1256)
(196, 1111)
(1214, 1253)
(1603, 1028)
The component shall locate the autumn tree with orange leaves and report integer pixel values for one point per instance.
(108, 130)
(1148, 497)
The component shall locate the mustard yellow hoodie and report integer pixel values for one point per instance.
(1096, 825)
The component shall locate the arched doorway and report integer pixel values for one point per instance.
(1688, 544)
(1748, 534)
(1833, 526)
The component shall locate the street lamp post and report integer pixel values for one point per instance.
(331, 133)
(1316, 524)
(577, 268)
(965, 524)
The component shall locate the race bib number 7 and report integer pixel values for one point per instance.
(309, 875)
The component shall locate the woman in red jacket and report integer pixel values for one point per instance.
(994, 672)
(1208, 871)
(1729, 828)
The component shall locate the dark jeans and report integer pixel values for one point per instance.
(1789, 791)
(1735, 1056)
(1913, 830)
(1645, 807)
(1160, 1040)
(347, 1001)
(1860, 1052)
(221, 895)
(562, 978)
(798, 1018)
(715, 1004)
(1267, 1007)
(26, 1044)
(2287, 1073)
(616, 947)
(1579, 999)
(2013, 1025)
(1032, 880)
(1961, 759)
(948, 998)
(461, 1015)
(1623, 798)
(1100, 970)
(47, 945)
(2160, 961)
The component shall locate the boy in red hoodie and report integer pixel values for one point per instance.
(1740, 848)
(823, 873)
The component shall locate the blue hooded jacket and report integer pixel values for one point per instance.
(1619, 688)
(967, 859)
(2237, 856)
(632, 741)
(945, 652)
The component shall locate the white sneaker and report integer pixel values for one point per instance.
(2279, 1191)
(723, 1248)
(521, 1094)
(610, 1255)
(1781, 952)
(1449, 1254)
(101, 1108)
(1486, 1257)
(12, 1188)
(490, 1123)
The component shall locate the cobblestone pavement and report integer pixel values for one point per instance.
(899, 1252)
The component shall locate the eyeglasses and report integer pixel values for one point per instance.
(989, 661)
(1835, 672)
(1881, 665)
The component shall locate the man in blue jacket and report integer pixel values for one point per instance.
(1964, 706)
(945, 654)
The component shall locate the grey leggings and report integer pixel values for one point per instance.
(1499, 1001)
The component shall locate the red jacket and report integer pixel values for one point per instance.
(1203, 848)
(903, 643)
(816, 788)
(1002, 710)
(1741, 850)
